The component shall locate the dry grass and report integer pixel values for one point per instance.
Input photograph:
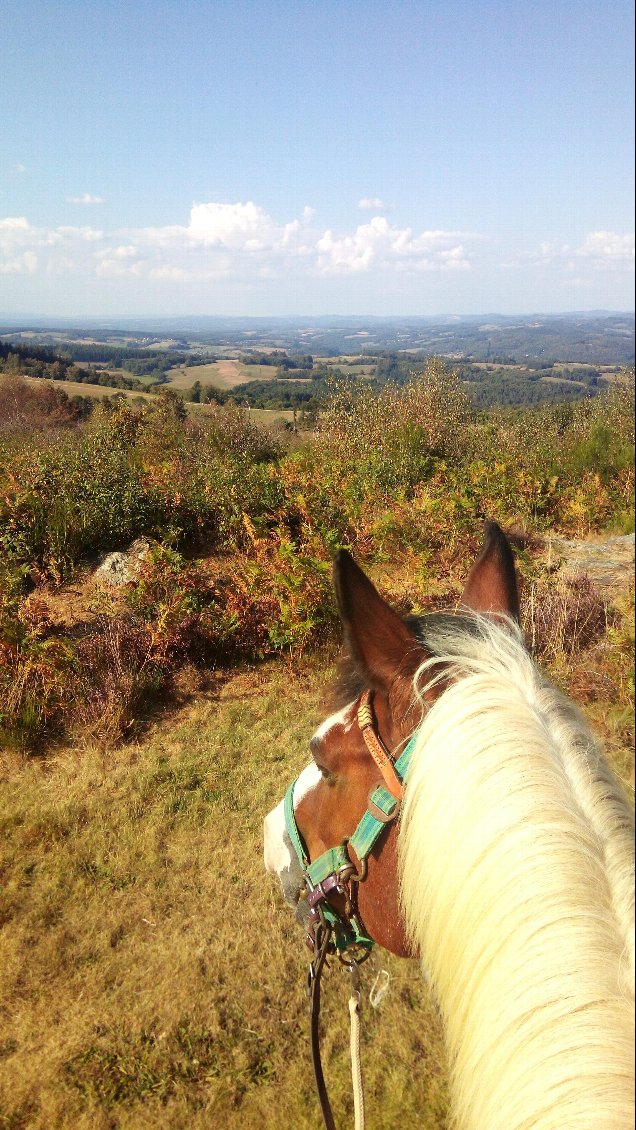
(96, 392)
(219, 374)
(150, 975)
(586, 643)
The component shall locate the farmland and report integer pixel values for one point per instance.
(219, 374)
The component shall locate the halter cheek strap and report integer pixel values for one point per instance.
(377, 748)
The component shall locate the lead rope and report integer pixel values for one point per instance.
(323, 938)
(313, 990)
(354, 1045)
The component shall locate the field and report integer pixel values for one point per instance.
(74, 388)
(98, 392)
(220, 374)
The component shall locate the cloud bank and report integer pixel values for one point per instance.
(230, 239)
(243, 245)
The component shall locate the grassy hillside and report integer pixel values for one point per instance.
(221, 374)
(151, 976)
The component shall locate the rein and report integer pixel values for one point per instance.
(331, 931)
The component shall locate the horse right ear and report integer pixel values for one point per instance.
(380, 643)
(491, 587)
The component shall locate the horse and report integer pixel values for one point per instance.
(504, 859)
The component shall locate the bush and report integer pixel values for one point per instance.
(562, 619)
(410, 473)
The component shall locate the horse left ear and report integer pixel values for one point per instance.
(491, 587)
(380, 642)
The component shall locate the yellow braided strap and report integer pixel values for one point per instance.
(365, 715)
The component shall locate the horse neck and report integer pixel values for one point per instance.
(516, 860)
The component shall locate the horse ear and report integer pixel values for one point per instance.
(491, 587)
(379, 640)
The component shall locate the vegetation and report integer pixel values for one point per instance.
(409, 472)
(150, 975)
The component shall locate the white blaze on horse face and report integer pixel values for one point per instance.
(280, 857)
(344, 718)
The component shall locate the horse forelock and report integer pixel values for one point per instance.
(348, 685)
(352, 679)
(516, 859)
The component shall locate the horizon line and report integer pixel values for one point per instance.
(25, 317)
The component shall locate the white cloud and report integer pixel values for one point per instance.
(124, 251)
(23, 247)
(85, 198)
(242, 227)
(15, 224)
(114, 268)
(17, 255)
(20, 168)
(235, 226)
(373, 203)
(88, 235)
(608, 248)
(26, 263)
(601, 250)
(379, 244)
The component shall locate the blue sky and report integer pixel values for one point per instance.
(324, 157)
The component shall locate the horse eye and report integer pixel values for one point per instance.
(326, 774)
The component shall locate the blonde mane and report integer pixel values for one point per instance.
(516, 861)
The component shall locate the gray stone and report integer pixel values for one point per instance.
(120, 567)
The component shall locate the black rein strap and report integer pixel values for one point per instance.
(323, 940)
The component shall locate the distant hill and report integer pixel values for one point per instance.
(597, 338)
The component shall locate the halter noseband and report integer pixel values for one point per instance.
(333, 872)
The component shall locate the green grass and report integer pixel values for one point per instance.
(151, 976)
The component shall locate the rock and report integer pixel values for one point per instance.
(609, 563)
(120, 567)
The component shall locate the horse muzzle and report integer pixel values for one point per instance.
(281, 860)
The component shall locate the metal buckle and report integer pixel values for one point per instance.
(378, 813)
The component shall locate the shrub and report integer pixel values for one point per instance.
(561, 620)
(35, 668)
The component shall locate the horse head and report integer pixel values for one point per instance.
(383, 656)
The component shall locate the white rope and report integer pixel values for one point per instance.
(356, 1069)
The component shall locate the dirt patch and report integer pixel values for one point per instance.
(76, 607)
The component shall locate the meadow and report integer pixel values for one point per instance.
(224, 374)
(150, 975)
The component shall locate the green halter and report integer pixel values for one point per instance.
(322, 875)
